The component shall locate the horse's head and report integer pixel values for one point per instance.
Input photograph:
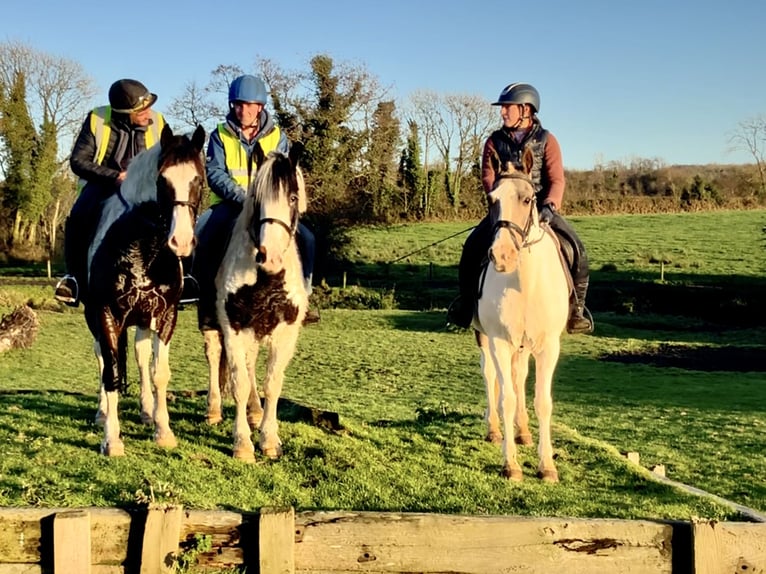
(181, 175)
(277, 200)
(513, 213)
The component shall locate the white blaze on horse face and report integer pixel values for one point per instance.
(503, 252)
(274, 237)
(181, 238)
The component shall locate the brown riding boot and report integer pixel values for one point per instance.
(578, 321)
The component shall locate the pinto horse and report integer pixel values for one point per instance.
(135, 277)
(261, 300)
(522, 311)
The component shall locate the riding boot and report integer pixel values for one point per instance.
(461, 310)
(580, 319)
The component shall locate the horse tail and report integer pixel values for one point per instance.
(122, 361)
(224, 376)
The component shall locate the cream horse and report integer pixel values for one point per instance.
(261, 300)
(522, 311)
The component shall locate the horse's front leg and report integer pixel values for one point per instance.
(501, 356)
(281, 350)
(491, 416)
(519, 371)
(236, 354)
(545, 364)
(143, 352)
(213, 355)
(112, 444)
(163, 435)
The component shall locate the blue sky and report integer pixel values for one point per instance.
(619, 79)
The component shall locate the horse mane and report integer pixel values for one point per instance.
(140, 183)
(276, 168)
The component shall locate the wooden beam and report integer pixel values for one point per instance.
(276, 541)
(71, 542)
(162, 534)
(726, 547)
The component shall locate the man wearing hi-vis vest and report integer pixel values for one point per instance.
(110, 137)
(229, 171)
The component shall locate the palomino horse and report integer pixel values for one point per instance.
(136, 279)
(522, 311)
(260, 300)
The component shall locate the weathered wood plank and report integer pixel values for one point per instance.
(385, 542)
(276, 541)
(727, 547)
(71, 542)
(160, 542)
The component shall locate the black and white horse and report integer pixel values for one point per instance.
(261, 300)
(136, 279)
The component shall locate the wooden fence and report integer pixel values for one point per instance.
(279, 541)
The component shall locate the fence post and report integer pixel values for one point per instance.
(71, 542)
(276, 541)
(162, 534)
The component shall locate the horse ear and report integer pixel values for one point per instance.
(198, 137)
(296, 151)
(527, 160)
(166, 135)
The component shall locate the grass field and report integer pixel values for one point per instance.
(410, 396)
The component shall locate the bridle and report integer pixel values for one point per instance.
(523, 232)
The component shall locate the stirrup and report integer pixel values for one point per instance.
(67, 290)
(190, 293)
(586, 316)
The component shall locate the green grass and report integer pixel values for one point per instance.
(410, 395)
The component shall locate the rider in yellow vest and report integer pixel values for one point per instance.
(230, 168)
(109, 138)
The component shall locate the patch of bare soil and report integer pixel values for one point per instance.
(734, 359)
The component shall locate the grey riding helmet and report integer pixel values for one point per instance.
(519, 93)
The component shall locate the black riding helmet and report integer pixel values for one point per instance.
(519, 93)
(127, 96)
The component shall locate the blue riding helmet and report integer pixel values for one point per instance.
(519, 93)
(248, 89)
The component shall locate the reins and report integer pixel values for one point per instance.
(513, 227)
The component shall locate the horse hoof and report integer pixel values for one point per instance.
(245, 455)
(513, 474)
(113, 449)
(214, 418)
(494, 437)
(166, 441)
(147, 419)
(524, 439)
(550, 475)
(272, 452)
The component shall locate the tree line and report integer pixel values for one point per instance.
(368, 158)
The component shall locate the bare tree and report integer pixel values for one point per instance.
(57, 88)
(751, 137)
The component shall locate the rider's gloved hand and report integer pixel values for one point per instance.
(546, 213)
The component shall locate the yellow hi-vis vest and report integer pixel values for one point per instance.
(101, 128)
(236, 155)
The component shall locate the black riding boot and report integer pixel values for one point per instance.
(580, 319)
(460, 311)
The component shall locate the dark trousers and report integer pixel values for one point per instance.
(211, 247)
(79, 231)
(477, 246)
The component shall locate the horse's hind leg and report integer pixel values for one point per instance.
(143, 350)
(102, 407)
(519, 370)
(254, 408)
(163, 436)
(213, 354)
(492, 416)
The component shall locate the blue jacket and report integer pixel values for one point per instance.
(218, 178)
